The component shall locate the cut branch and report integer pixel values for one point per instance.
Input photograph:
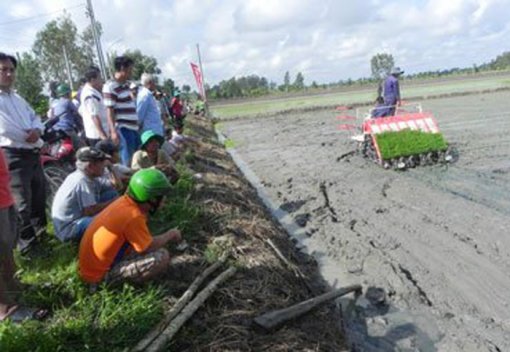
(292, 267)
(159, 343)
(276, 318)
(178, 306)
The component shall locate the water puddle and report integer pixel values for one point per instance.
(370, 326)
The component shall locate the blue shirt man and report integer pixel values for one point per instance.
(147, 110)
(68, 118)
(391, 92)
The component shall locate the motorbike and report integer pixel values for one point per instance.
(57, 159)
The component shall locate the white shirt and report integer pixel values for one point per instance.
(92, 105)
(16, 118)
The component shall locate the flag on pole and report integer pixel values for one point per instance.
(198, 78)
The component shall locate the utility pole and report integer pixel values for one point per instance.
(203, 80)
(97, 39)
(68, 66)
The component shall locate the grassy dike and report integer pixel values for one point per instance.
(217, 212)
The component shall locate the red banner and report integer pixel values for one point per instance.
(198, 78)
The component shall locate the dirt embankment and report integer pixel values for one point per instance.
(233, 217)
(433, 238)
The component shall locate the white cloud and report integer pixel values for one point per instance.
(21, 10)
(267, 15)
(326, 40)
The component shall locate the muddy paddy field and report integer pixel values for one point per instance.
(430, 245)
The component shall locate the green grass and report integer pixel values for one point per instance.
(230, 143)
(111, 319)
(179, 211)
(408, 142)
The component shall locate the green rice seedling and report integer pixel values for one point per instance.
(230, 143)
(408, 142)
(212, 253)
(219, 126)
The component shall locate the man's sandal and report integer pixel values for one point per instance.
(17, 314)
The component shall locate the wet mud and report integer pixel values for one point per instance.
(429, 245)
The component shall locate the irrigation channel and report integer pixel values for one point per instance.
(429, 245)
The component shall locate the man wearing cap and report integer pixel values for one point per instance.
(68, 120)
(82, 195)
(152, 156)
(115, 172)
(391, 90)
(20, 132)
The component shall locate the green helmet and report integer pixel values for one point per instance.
(148, 184)
(148, 135)
(62, 90)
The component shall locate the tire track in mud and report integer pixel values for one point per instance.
(350, 219)
(327, 205)
(401, 272)
(410, 277)
(416, 334)
(434, 238)
(406, 274)
(473, 186)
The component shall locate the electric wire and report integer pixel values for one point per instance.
(37, 17)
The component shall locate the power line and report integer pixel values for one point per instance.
(31, 18)
(97, 38)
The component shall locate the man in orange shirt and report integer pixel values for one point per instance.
(117, 245)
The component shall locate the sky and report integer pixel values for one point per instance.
(326, 40)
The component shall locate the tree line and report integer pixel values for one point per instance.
(45, 62)
(381, 65)
(254, 86)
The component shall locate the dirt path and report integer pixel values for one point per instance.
(435, 239)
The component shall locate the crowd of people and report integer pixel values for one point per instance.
(128, 138)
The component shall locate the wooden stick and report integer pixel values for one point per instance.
(292, 267)
(275, 318)
(177, 307)
(160, 342)
(280, 255)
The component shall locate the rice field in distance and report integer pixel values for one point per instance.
(365, 95)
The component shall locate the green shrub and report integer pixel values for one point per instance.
(108, 320)
(408, 142)
(178, 210)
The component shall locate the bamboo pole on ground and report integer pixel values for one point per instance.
(159, 343)
(177, 307)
